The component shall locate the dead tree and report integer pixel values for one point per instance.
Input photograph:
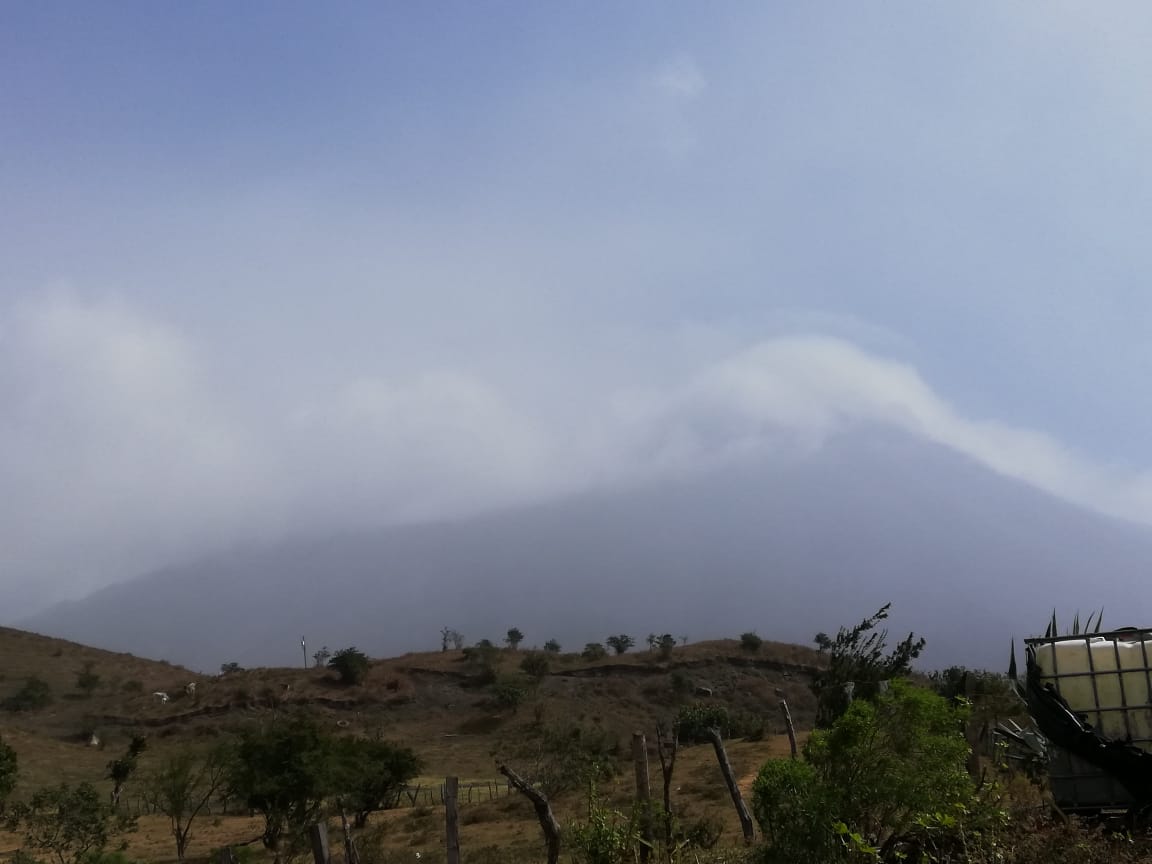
(666, 749)
(547, 819)
(733, 788)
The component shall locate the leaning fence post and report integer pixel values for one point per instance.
(318, 835)
(452, 819)
(787, 721)
(733, 787)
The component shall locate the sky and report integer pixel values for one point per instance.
(272, 268)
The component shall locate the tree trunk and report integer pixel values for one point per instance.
(788, 725)
(667, 754)
(452, 819)
(733, 788)
(547, 819)
(643, 793)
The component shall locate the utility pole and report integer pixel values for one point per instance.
(304, 648)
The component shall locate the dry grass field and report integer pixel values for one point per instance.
(429, 702)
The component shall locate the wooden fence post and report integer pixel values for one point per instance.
(787, 721)
(733, 787)
(452, 819)
(666, 748)
(643, 793)
(318, 835)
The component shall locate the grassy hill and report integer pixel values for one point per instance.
(435, 703)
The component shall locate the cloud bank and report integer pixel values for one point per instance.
(125, 444)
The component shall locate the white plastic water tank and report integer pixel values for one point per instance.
(1106, 678)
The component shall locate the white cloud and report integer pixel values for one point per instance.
(123, 447)
(682, 79)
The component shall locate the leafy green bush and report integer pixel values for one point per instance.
(87, 681)
(509, 692)
(552, 646)
(351, 665)
(693, 721)
(750, 641)
(9, 769)
(883, 772)
(535, 664)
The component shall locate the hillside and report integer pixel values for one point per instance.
(432, 702)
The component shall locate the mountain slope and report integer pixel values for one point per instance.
(787, 546)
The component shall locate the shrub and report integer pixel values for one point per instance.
(552, 646)
(796, 813)
(230, 668)
(351, 665)
(482, 659)
(750, 641)
(34, 695)
(8, 772)
(666, 643)
(133, 686)
(693, 721)
(593, 651)
(86, 680)
(514, 638)
(535, 664)
(509, 692)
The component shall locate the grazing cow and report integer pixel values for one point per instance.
(161, 695)
(190, 688)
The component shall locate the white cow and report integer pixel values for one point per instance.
(161, 695)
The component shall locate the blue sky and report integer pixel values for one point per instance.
(553, 223)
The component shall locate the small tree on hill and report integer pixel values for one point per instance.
(448, 636)
(514, 638)
(121, 770)
(620, 643)
(552, 646)
(857, 656)
(370, 775)
(320, 658)
(536, 664)
(180, 787)
(230, 668)
(71, 823)
(351, 665)
(666, 644)
(87, 680)
(750, 641)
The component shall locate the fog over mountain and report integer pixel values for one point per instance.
(786, 546)
(658, 316)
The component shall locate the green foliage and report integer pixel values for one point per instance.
(370, 774)
(665, 644)
(882, 772)
(121, 770)
(620, 643)
(857, 655)
(750, 641)
(482, 660)
(514, 637)
(320, 658)
(552, 646)
(351, 665)
(796, 812)
(681, 683)
(606, 837)
(230, 668)
(693, 721)
(594, 651)
(9, 771)
(509, 692)
(180, 785)
(567, 756)
(34, 695)
(87, 681)
(535, 664)
(71, 823)
(283, 771)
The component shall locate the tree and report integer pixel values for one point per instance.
(34, 695)
(750, 641)
(666, 643)
(181, 786)
(620, 643)
(9, 770)
(230, 668)
(448, 636)
(482, 658)
(70, 823)
(884, 770)
(857, 656)
(283, 771)
(552, 646)
(593, 651)
(653, 641)
(514, 638)
(120, 770)
(321, 657)
(371, 774)
(351, 665)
